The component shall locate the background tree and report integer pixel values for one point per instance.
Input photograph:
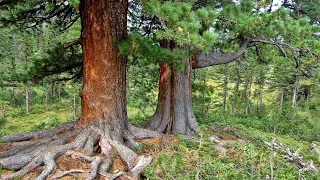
(242, 22)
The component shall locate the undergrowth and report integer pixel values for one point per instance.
(244, 160)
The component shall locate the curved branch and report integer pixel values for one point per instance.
(212, 58)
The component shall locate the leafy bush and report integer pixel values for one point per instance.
(53, 122)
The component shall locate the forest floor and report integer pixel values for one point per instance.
(219, 152)
(226, 147)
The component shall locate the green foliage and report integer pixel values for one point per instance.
(244, 160)
(182, 24)
(49, 124)
(168, 167)
(142, 48)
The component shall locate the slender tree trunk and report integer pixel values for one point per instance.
(233, 108)
(261, 96)
(52, 90)
(27, 101)
(295, 91)
(14, 100)
(59, 90)
(248, 84)
(237, 85)
(281, 98)
(204, 106)
(225, 87)
(46, 100)
(174, 112)
(249, 95)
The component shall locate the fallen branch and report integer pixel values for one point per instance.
(294, 158)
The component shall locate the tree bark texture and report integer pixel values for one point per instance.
(174, 114)
(103, 95)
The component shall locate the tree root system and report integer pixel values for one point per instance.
(31, 150)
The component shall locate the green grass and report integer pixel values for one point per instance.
(17, 121)
(244, 160)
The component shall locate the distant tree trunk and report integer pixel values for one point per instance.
(59, 89)
(52, 90)
(248, 84)
(46, 100)
(14, 100)
(261, 96)
(237, 85)
(27, 101)
(233, 108)
(204, 106)
(281, 98)
(225, 87)
(174, 114)
(295, 91)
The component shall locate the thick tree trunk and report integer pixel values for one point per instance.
(104, 122)
(174, 114)
(103, 95)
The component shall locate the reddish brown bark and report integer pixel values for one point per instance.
(103, 95)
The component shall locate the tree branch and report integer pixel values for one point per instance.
(293, 50)
(76, 42)
(211, 58)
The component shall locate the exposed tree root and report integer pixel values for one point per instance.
(42, 148)
(65, 173)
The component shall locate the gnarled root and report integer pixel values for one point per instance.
(35, 149)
